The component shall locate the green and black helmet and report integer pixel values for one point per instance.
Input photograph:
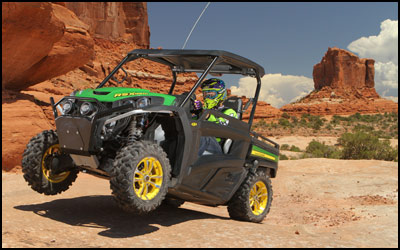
(214, 92)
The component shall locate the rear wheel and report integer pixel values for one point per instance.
(140, 177)
(46, 169)
(253, 199)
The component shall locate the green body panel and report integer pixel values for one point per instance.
(118, 93)
(257, 151)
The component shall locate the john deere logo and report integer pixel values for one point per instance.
(194, 124)
(130, 94)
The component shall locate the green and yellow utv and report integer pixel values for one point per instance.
(146, 144)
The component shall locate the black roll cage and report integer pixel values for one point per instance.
(198, 61)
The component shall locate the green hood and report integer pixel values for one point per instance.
(111, 94)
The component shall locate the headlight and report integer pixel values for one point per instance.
(87, 108)
(67, 107)
(142, 102)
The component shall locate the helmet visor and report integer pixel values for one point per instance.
(210, 94)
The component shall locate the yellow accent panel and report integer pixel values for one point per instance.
(256, 153)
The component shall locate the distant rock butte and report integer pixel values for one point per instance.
(344, 84)
(342, 69)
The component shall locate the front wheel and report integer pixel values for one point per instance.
(140, 177)
(253, 199)
(46, 169)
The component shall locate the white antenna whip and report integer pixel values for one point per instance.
(195, 25)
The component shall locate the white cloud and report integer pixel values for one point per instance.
(276, 89)
(383, 48)
(387, 74)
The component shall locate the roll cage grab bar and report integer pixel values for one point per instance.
(131, 57)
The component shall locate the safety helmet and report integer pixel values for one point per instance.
(214, 92)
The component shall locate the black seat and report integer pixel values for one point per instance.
(236, 104)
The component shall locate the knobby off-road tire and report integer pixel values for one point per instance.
(253, 199)
(140, 177)
(36, 168)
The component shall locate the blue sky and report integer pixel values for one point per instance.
(287, 39)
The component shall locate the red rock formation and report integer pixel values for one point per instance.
(115, 20)
(21, 120)
(41, 41)
(344, 84)
(25, 41)
(342, 69)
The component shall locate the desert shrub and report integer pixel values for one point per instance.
(317, 149)
(261, 123)
(356, 117)
(285, 115)
(315, 122)
(303, 122)
(305, 116)
(283, 157)
(305, 155)
(294, 149)
(362, 127)
(335, 120)
(294, 119)
(285, 123)
(274, 125)
(284, 147)
(328, 126)
(386, 152)
(361, 145)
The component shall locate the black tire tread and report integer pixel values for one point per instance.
(32, 169)
(238, 207)
(122, 175)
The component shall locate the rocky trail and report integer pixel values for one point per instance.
(316, 203)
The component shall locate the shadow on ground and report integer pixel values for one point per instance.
(102, 212)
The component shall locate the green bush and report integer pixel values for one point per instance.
(285, 123)
(318, 150)
(285, 115)
(362, 145)
(294, 149)
(283, 157)
(328, 126)
(284, 147)
(362, 127)
(260, 123)
(303, 122)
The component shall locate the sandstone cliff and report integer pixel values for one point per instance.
(342, 69)
(343, 84)
(49, 51)
(115, 20)
(41, 41)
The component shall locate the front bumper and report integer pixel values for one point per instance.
(74, 134)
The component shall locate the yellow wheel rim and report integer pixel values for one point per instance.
(258, 198)
(54, 178)
(148, 178)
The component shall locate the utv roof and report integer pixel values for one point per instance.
(199, 60)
